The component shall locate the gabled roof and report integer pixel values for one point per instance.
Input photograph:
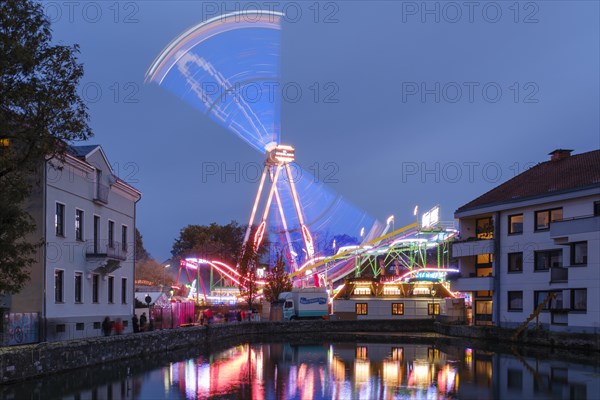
(571, 173)
(83, 151)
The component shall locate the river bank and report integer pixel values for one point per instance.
(30, 361)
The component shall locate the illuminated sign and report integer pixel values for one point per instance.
(319, 300)
(429, 276)
(431, 217)
(282, 154)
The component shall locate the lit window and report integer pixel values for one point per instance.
(545, 217)
(361, 352)
(391, 290)
(397, 308)
(362, 291)
(433, 309)
(484, 228)
(515, 224)
(361, 309)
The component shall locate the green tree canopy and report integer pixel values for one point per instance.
(40, 112)
(222, 242)
(141, 253)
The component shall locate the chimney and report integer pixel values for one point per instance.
(559, 154)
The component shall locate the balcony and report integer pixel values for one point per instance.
(472, 284)
(559, 275)
(472, 247)
(101, 195)
(101, 249)
(562, 229)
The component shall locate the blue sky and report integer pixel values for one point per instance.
(402, 103)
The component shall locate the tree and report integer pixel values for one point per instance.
(40, 112)
(220, 242)
(141, 253)
(149, 272)
(278, 281)
(247, 268)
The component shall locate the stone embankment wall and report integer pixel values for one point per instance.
(29, 361)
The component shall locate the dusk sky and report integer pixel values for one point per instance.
(400, 103)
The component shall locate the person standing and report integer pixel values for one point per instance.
(118, 326)
(106, 326)
(143, 321)
(135, 323)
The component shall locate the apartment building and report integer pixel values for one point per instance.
(84, 272)
(534, 236)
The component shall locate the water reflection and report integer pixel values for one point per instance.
(334, 371)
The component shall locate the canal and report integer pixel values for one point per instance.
(427, 368)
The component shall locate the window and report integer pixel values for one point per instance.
(124, 290)
(124, 237)
(59, 290)
(544, 260)
(59, 219)
(79, 326)
(543, 218)
(515, 262)
(596, 208)
(397, 308)
(78, 287)
(397, 353)
(96, 234)
(515, 224)
(433, 309)
(514, 379)
(579, 299)
(540, 296)
(111, 234)
(515, 301)
(111, 289)
(95, 287)
(79, 225)
(483, 264)
(361, 309)
(579, 253)
(362, 291)
(60, 328)
(97, 325)
(484, 228)
(361, 352)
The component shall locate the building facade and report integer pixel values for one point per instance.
(84, 272)
(533, 237)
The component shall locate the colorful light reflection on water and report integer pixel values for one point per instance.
(361, 371)
(345, 370)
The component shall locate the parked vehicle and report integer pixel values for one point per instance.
(305, 303)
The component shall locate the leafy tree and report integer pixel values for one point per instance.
(247, 268)
(278, 281)
(141, 253)
(221, 242)
(40, 111)
(149, 272)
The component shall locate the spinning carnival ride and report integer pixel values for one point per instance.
(228, 68)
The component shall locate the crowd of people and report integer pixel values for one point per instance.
(142, 324)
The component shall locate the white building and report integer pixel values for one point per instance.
(536, 234)
(85, 217)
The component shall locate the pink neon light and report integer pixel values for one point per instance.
(258, 236)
